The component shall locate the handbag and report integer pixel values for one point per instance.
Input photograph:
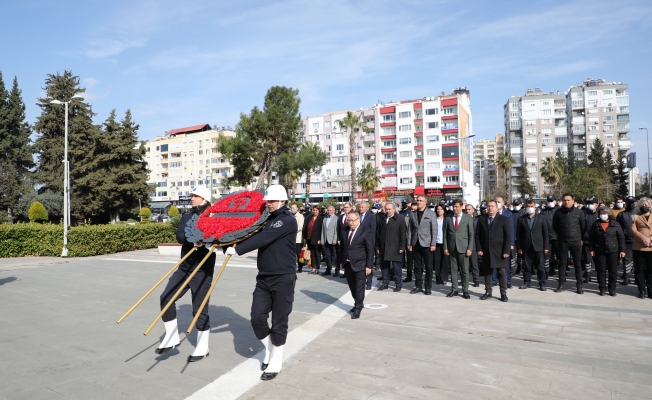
(306, 257)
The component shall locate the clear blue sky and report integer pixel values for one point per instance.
(176, 64)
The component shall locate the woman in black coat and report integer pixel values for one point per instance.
(607, 245)
(312, 236)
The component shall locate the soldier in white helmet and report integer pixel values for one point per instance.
(276, 278)
(199, 284)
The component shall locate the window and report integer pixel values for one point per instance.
(163, 193)
(546, 111)
(162, 184)
(449, 110)
(201, 152)
(609, 118)
(546, 131)
(432, 138)
(561, 140)
(406, 153)
(405, 114)
(433, 165)
(432, 125)
(406, 167)
(389, 143)
(389, 130)
(164, 147)
(545, 103)
(301, 185)
(340, 171)
(609, 136)
(593, 119)
(607, 127)
(448, 152)
(434, 179)
(452, 178)
(611, 145)
(176, 164)
(406, 140)
(327, 124)
(623, 118)
(593, 102)
(432, 152)
(315, 125)
(339, 147)
(592, 92)
(389, 156)
(608, 91)
(389, 117)
(404, 128)
(546, 121)
(608, 109)
(432, 111)
(546, 140)
(593, 128)
(389, 170)
(406, 181)
(513, 114)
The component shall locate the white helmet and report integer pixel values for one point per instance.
(203, 192)
(276, 192)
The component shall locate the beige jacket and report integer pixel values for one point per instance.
(299, 218)
(641, 230)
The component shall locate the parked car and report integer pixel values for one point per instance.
(164, 218)
(154, 217)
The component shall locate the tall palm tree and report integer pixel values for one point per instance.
(353, 124)
(505, 162)
(551, 171)
(369, 180)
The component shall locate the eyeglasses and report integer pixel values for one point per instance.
(352, 220)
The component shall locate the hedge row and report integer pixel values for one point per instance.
(31, 239)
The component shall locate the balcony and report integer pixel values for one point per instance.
(388, 162)
(389, 137)
(418, 133)
(387, 110)
(448, 129)
(418, 120)
(451, 171)
(369, 150)
(560, 104)
(623, 127)
(388, 123)
(578, 104)
(624, 145)
(418, 147)
(388, 149)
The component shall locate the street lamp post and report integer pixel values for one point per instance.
(66, 177)
(649, 181)
(460, 162)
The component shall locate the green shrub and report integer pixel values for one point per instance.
(145, 212)
(174, 211)
(37, 212)
(47, 240)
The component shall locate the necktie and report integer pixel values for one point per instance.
(350, 236)
(362, 217)
(491, 220)
(344, 222)
(457, 218)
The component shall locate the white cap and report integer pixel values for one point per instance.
(276, 192)
(203, 192)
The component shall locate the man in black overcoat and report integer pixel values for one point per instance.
(493, 239)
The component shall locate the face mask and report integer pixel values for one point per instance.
(604, 217)
(645, 209)
(551, 204)
(530, 210)
(293, 211)
(374, 211)
(499, 205)
(591, 207)
(517, 208)
(619, 205)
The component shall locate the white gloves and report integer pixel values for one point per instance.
(231, 252)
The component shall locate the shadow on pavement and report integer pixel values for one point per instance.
(325, 298)
(7, 280)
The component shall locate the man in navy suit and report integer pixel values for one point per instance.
(502, 210)
(368, 220)
(357, 253)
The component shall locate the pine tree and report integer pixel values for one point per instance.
(15, 149)
(82, 138)
(571, 161)
(597, 157)
(523, 181)
(622, 178)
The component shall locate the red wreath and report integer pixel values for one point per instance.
(233, 213)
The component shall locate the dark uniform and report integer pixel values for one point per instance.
(516, 261)
(624, 218)
(276, 277)
(551, 256)
(591, 216)
(199, 284)
(569, 224)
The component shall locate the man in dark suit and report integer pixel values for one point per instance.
(492, 240)
(368, 220)
(474, 268)
(390, 245)
(422, 239)
(533, 242)
(458, 244)
(502, 210)
(357, 254)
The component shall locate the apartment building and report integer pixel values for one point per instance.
(539, 124)
(182, 159)
(419, 146)
(598, 109)
(484, 166)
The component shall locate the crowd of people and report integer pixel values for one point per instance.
(488, 243)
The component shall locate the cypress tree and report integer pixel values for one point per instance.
(15, 148)
(82, 138)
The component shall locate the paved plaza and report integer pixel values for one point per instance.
(59, 339)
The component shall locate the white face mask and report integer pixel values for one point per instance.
(530, 210)
(591, 207)
(604, 217)
(499, 205)
(619, 205)
(551, 204)
(517, 208)
(374, 211)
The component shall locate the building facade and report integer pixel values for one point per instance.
(540, 124)
(184, 158)
(419, 146)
